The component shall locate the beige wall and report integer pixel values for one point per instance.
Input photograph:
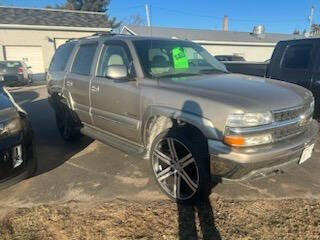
(250, 53)
(18, 37)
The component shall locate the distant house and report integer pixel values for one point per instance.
(32, 34)
(251, 46)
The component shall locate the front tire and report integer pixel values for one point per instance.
(180, 164)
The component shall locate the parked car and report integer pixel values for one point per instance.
(229, 58)
(17, 160)
(258, 69)
(15, 73)
(148, 95)
(293, 61)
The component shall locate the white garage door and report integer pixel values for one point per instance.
(32, 56)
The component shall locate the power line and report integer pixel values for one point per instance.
(125, 8)
(185, 13)
(231, 19)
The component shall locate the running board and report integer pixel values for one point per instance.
(115, 142)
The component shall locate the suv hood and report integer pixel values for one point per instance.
(246, 93)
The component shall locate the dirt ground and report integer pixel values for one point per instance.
(119, 219)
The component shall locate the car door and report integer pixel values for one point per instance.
(78, 80)
(315, 82)
(115, 103)
(59, 67)
(296, 63)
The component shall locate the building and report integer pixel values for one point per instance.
(32, 35)
(253, 46)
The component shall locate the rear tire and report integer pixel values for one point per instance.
(68, 128)
(179, 161)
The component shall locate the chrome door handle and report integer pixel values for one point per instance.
(95, 88)
(69, 83)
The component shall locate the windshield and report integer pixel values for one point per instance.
(174, 58)
(9, 64)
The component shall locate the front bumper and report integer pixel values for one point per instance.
(13, 80)
(239, 164)
(9, 174)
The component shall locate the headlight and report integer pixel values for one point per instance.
(249, 119)
(10, 127)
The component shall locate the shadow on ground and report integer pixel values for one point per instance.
(51, 150)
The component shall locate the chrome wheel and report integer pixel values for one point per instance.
(175, 168)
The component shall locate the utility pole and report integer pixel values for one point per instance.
(148, 15)
(225, 23)
(311, 20)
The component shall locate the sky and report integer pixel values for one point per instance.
(277, 16)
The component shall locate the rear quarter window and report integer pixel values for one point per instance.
(297, 56)
(83, 61)
(61, 57)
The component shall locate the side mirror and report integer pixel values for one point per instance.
(117, 72)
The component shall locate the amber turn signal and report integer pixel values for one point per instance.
(236, 141)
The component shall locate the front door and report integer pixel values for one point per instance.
(115, 103)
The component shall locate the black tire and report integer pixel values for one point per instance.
(68, 128)
(197, 170)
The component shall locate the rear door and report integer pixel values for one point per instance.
(58, 67)
(115, 103)
(295, 65)
(78, 80)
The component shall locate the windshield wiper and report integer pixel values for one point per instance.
(211, 70)
(177, 75)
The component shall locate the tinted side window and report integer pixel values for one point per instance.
(61, 57)
(297, 56)
(83, 61)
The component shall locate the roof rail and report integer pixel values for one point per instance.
(97, 34)
(107, 34)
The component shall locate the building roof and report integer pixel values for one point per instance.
(207, 35)
(52, 17)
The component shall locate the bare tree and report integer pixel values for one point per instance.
(89, 5)
(135, 19)
(296, 32)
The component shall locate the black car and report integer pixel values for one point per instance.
(229, 58)
(15, 73)
(17, 154)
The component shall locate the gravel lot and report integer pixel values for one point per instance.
(118, 219)
(76, 193)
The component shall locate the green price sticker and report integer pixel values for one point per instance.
(180, 59)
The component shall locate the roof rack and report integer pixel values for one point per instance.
(97, 34)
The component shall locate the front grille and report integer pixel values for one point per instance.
(290, 130)
(290, 114)
(298, 120)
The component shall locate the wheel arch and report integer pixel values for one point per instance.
(166, 118)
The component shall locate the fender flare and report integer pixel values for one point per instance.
(203, 124)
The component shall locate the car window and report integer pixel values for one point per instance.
(83, 61)
(297, 56)
(61, 57)
(113, 55)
